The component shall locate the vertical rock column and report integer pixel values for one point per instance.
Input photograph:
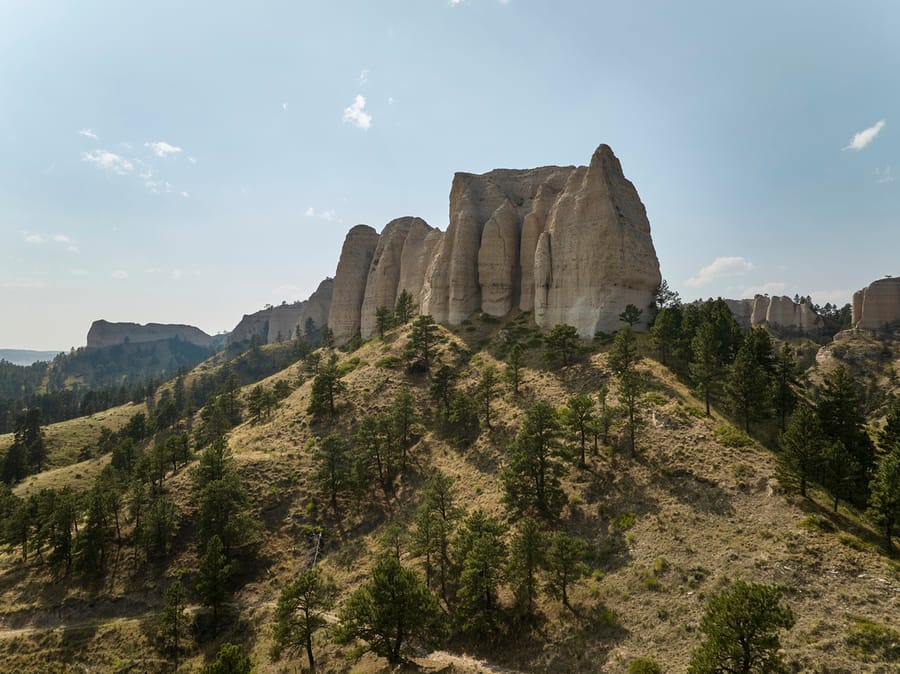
(350, 282)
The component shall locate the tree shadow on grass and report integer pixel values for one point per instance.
(698, 492)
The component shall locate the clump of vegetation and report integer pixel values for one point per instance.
(729, 436)
(870, 641)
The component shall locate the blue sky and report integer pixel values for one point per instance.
(190, 162)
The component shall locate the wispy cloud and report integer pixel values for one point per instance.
(719, 268)
(162, 149)
(327, 215)
(87, 133)
(364, 77)
(109, 161)
(185, 194)
(33, 238)
(120, 274)
(866, 136)
(770, 288)
(356, 113)
(884, 175)
(284, 106)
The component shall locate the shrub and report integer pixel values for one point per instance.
(644, 666)
(729, 436)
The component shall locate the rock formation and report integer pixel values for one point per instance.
(570, 243)
(103, 333)
(385, 279)
(877, 306)
(274, 324)
(777, 312)
(350, 280)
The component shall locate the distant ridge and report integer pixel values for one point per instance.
(26, 356)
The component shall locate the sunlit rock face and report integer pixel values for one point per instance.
(877, 305)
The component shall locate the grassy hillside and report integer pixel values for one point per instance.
(667, 527)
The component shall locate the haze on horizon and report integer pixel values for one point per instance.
(162, 162)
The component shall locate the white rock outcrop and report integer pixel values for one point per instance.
(877, 306)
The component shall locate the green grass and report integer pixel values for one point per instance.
(729, 436)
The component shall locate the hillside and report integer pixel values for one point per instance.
(666, 526)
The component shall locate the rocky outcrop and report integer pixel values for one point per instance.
(877, 306)
(103, 333)
(598, 256)
(275, 324)
(779, 313)
(570, 243)
(350, 280)
(386, 272)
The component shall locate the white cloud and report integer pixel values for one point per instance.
(884, 175)
(721, 266)
(87, 133)
(120, 274)
(770, 288)
(109, 161)
(62, 238)
(866, 136)
(33, 238)
(193, 160)
(162, 148)
(73, 249)
(324, 215)
(185, 194)
(390, 100)
(284, 106)
(364, 77)
(356, 113)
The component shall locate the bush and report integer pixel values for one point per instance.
(870, 641)
(729, 436)
(644, 666)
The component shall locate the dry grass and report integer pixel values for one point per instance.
(669, 526)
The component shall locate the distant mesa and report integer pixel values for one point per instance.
(104, 334)
(877, 306)
(779, 312)
(572, 244)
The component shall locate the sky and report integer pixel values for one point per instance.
(192, 162)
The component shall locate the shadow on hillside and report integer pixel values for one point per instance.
(698, 492)
(844, 523)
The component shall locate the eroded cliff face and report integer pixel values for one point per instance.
(103, 333)
(279, 323)
(570, 243)
(777, 312)
(350, 280)
(877, 305)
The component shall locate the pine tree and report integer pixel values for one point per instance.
(300, 613)
(705, 366)
(785, 380)
(531, 479)
(326, 387)
(332, 469)
(623, 355)
(527, 558)
(801, 448)
(884, 502)
(565, 564)
(422, 345)
(486, 391)
(213, 576)
(741, 625)
(384, 320)
(173, 623)
(748, 386)
(578, 418)
(513, 370)
(561, 345)
(481, 557)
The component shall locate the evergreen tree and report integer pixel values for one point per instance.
(405, 417)
(666, 332)
(326, 387)
(532, 476)
(229, 660)
(487, 390)
(300, 613)
(785, 380)
(840, 413)
(578, 418)
(631, 389)
(884, 503)
(173, 622)
(443, 383)
(435, 524)
(481, 557)
(565, 564)
(405, 308)
(391, 609)
(748, 385)
(422, 345)
(527, 558)
(801, 449)
(631, 316)
(561, 345)
(332, 467)
(213, 576)
(623, 355)
(384, 320)
(741, 626)
(705, 366)
(839, 472)
(513, 370)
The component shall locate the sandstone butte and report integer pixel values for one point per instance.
(779, 312)
(877, 306)
(274, 324)
(572, 244)
(103, 333)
